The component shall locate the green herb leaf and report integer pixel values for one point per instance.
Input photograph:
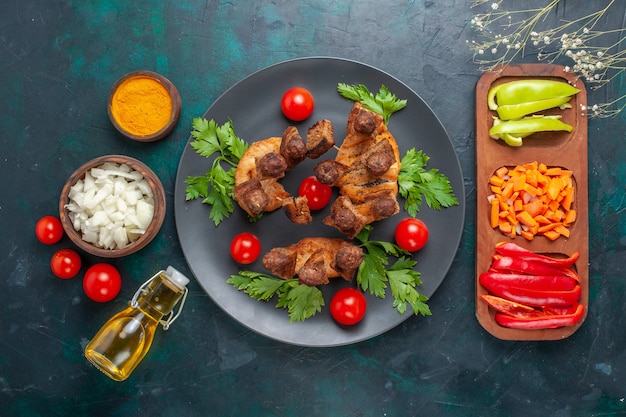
(303, 302)
(216, 186)
(384, 102)
(402, 281)
(414, 181)
(374, 276)
(300, 300)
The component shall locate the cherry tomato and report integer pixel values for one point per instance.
(245, 248)
(318, 195)
(102, 282)
(65, 263)
(297, 104)
(411, 234)
(49, 230)
(348, 306)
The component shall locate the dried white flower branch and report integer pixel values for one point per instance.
(596, 55)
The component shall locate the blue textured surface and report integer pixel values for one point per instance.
(58, 60)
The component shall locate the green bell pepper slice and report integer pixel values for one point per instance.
(517, 111)
(521, 91)
(527, 126)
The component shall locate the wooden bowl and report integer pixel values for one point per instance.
(158, 193)
(135, 117)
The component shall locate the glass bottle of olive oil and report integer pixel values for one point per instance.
(125, 338)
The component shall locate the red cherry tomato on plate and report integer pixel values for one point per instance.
(49, 230)
(348, 306)
(102, 282)
(245, 248)
(297, 104)
(318, 195)
(65, 263)
(411, 234)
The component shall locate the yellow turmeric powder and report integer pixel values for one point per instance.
(141, 105)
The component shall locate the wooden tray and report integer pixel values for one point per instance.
(567, 150)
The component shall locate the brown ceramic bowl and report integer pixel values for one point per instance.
(129, 123)
(158, 194)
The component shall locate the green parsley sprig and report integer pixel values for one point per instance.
(302, 301)
(216, 186)
(414, 181)
(374, 276)
(384, 102)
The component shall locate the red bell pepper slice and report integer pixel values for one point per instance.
(530, 297)
(560, 310)
(515, 264)
(535, 282)
(548, 321)
(514, 250)
(502, 305)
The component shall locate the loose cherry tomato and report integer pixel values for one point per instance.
(348, 306)
(245, 248)
(65, 263)
(49, 230)
(297, 104)
(102, 282)
(411, 234)
(318, 195)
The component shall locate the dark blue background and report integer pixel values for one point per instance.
(58, 60)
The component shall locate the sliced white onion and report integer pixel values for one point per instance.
(112, 206)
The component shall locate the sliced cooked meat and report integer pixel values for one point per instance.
(281, 262)
(349, 256)
(247, 166)
(314, 260)
(349, 218)
(297, 210)
(292, 147)
(313, 272)
(366, 172)
(381, 159)
(384, 207)
(251, 197)
(329, 171)
(319, 138)
(276, 193)
(344, 217)
(365, 123)
(272, 165)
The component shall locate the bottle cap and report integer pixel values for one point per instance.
(176, 277)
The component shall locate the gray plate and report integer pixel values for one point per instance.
(253, 105)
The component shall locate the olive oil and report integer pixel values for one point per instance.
(125, 338)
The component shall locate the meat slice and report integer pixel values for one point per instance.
(329, 171)
(366, 172)
(247, 167)
(345, 218)
(297, 210)
(251, 197)
(315, 260)
(281, 262)
(292, 147)
(350, 218)
(313, 272)
(266, 161)
(380, 159)
(319, 138)
(272, 165)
